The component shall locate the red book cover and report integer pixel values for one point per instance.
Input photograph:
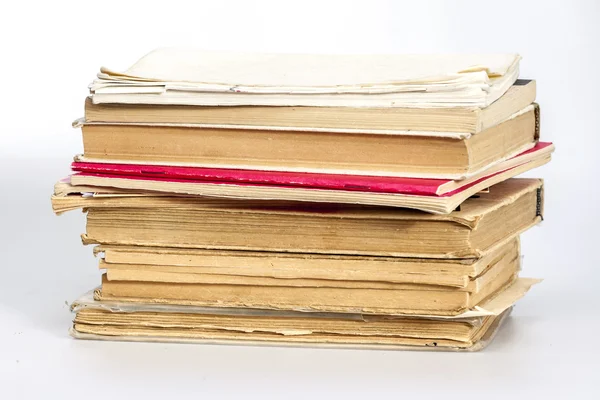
(375, 184)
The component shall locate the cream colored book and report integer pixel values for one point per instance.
(176, 76)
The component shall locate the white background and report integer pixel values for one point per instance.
(51, 50)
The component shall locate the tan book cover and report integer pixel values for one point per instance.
(449, 122)
(314, 152)
(311, 295)
(145, 261)
(448, 195)
(489, 220)
(139, 321)
(470, 335)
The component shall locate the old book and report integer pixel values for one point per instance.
(150, 263)
(304, 294)
(449, 122)
(144, 328)
(403, 333)
(177, 274)
(374, 330)
(139, 321)
(316, 152)
(307, 294)
(431, 195)
(418, 301)
(195, 77)
(68, 197)
(489, 220)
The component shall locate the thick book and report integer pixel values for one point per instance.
(505, 262)
(313, 295)
(195, 77)
(201, 265)
(452, 122)
(483, 222)
(106, 319)
(472, 334)
(432, 195)
(425, 155)
(322, 295)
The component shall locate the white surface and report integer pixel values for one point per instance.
(548, 348)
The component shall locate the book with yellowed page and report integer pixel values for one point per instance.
(302, 294)
(483, 222)
(383, 333)
(144, 321)
(431, 195)
(201, 265)
(305, 282)
(451, 122)
(408, 154)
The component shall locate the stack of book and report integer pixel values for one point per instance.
(325, 200)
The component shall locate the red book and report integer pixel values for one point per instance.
(432, 195)
(373, 184)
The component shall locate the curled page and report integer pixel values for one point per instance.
(194, 77)
(495, 306)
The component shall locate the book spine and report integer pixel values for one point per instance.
(539, 203)
(536, 110)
